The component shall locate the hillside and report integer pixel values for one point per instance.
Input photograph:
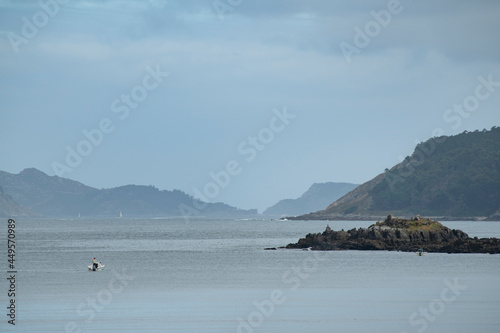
(318, 196)
(455, 177)
(48, 196)
(52, 196)
(9, 208)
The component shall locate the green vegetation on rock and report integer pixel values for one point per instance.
(416, 223)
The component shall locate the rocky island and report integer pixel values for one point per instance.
(397, 234)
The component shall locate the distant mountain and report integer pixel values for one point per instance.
(318, 196)
(53, 196)
(455, 177)
(48, 196)
(9, 208)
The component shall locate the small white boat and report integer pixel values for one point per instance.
(100, 266)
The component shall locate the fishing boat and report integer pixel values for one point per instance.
(97, 268)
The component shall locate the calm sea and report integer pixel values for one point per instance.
(167, 275)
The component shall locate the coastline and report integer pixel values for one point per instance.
(313, 217)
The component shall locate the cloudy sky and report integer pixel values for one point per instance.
(265, 96)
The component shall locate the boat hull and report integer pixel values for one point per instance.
(100, 267)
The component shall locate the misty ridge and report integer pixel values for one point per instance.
(455, 177)
(53, 196)
(34, 193)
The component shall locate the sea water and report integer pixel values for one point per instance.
(174, 275)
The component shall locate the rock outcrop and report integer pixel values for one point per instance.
(396, 234)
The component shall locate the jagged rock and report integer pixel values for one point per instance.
(396, 234)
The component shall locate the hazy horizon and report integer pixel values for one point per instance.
(242, 102)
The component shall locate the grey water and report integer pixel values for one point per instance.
(173, 275)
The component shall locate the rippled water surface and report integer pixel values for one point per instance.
(169, 275)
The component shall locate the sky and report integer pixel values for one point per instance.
(245, 102)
